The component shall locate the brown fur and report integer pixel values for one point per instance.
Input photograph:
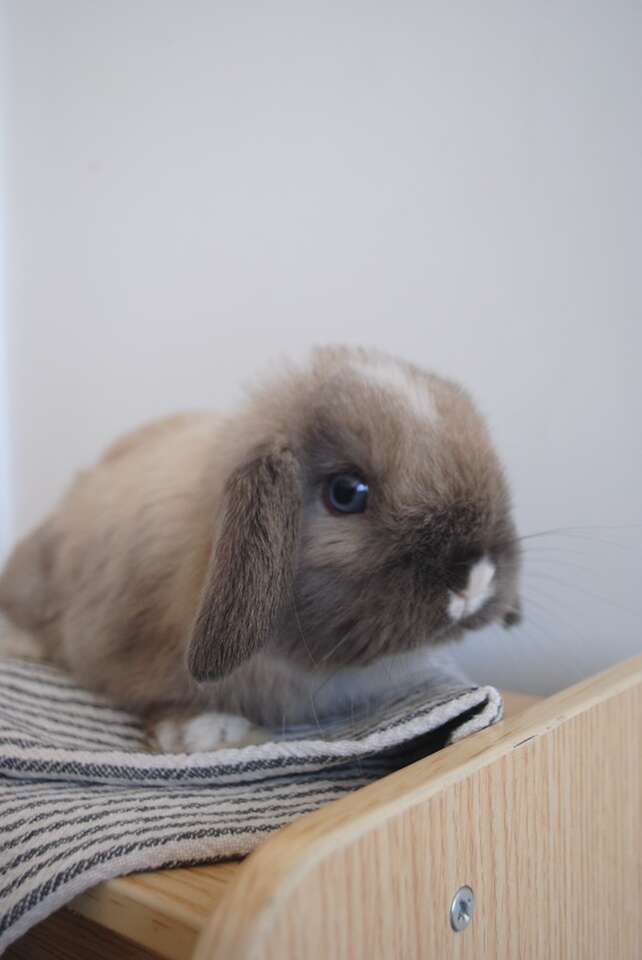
(200, 547)
(241, 601)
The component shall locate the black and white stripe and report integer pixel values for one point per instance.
(83, 799)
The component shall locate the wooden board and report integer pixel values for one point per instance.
(163, 910)
(66, 936)
(516, 703)
(541, 815)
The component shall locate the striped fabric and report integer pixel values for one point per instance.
(83, 798)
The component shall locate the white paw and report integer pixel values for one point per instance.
(207, 731)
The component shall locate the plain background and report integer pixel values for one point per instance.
(191, 189)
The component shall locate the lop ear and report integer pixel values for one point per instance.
(249, 579)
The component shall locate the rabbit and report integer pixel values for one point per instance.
(225, 577)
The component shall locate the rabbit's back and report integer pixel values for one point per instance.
(109, 580)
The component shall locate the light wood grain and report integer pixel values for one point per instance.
(166, 910)
(541, 815)
(515, 703)
(66, 936)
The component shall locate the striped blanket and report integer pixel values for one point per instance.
(83, 798)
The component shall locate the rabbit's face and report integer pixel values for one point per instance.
(365, 513)
(406, 536)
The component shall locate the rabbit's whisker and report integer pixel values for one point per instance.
(300, 629)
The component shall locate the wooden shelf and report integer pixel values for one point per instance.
(165, 911)
(541, 814)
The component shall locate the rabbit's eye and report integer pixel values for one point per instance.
(346, 493)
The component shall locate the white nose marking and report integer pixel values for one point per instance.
(478, 590)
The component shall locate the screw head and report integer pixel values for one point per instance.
(462, 909)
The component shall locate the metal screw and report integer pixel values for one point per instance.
(462, 909)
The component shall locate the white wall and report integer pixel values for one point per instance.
(6, 505)
(195, 187)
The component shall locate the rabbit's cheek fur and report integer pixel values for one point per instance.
(367, 587)
(355, 617)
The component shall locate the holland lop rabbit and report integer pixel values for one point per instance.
(292, 561)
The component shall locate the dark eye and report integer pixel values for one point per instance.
(346, 493)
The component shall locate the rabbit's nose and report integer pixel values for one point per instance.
(478, 589)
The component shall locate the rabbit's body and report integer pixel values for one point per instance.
(200, 564)
(109, 582)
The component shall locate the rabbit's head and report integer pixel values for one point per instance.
(365, 513)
